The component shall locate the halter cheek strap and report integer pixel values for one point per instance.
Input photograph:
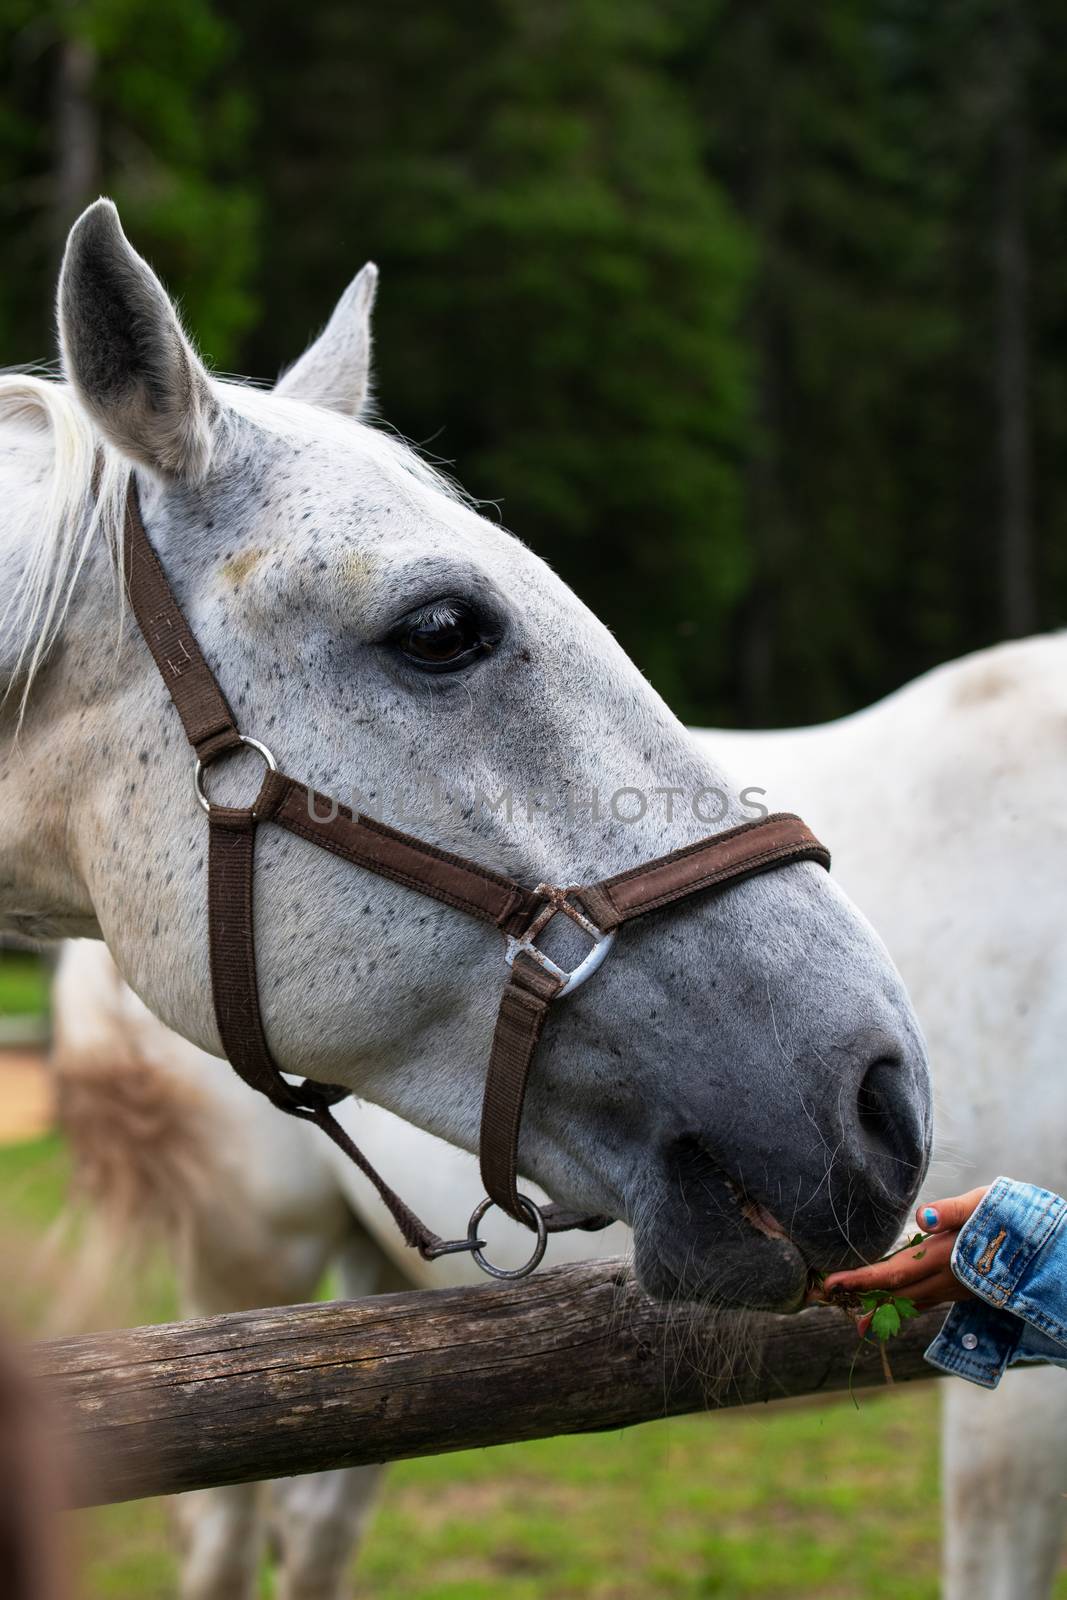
(518, 913)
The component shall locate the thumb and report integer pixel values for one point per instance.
(945, 1216)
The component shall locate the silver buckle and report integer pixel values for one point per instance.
(555, 901)
(199, 769)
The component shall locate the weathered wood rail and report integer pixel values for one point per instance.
(577, 1349)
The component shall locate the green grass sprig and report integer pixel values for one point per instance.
(888, 1312)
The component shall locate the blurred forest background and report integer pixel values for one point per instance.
(748, 313)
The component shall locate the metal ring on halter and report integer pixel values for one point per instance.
(199, 769)
(538, 1221)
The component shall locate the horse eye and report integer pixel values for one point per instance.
(441, 637)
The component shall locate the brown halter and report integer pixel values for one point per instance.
(520, 914)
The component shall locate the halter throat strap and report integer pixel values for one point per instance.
(520, 914)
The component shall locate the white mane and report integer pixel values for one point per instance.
(56, 546)
(69, 517)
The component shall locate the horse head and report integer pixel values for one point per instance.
(743, 1080)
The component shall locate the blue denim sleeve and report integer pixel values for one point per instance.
(1011, 1253)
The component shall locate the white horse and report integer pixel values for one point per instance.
(372, 627)
(943, 805)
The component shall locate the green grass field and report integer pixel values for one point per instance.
(23, 984)
(808, 1504)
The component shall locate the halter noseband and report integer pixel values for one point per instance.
(520, 914)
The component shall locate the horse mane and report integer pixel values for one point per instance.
(54, 550)
(86, 497)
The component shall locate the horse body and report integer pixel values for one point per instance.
(942, 806)
(944, 810)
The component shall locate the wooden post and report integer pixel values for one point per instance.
(263, 1394)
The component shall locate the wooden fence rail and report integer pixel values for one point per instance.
(264, 1394)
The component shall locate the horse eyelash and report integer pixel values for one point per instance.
(439, 614)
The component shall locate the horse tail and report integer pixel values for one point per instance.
(142, 1145)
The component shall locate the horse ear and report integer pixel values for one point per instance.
(335, 371)
(126, 355)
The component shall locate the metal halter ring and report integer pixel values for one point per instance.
(199, 769)
(537, 1220)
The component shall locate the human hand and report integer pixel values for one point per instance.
(920, 1272)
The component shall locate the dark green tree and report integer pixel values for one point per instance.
(746, 312)
(563, 280)
(130, 97)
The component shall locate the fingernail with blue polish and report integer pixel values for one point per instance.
(930, 1217)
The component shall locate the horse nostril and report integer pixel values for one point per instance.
(886, 1115)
